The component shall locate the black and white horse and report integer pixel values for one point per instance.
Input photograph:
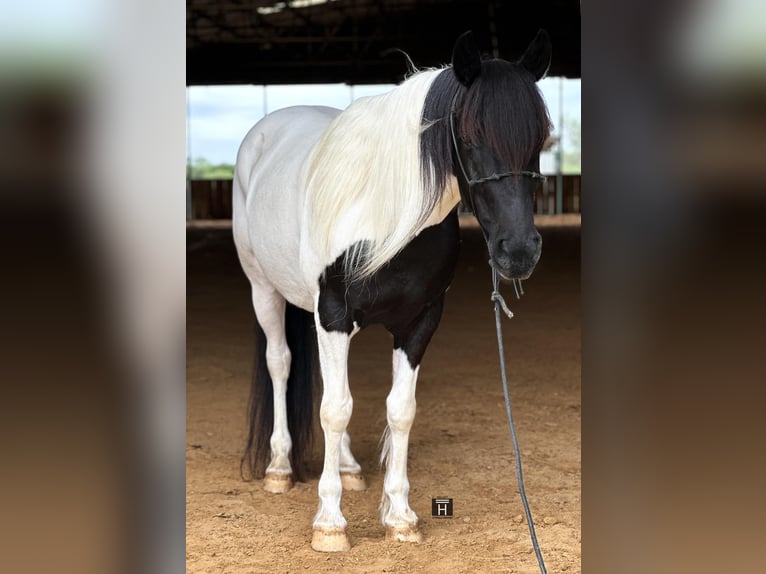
(347, 218)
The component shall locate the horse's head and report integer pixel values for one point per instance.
(498, 125)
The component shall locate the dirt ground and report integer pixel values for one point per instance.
(459, 446)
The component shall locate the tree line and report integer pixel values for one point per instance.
(201, 168)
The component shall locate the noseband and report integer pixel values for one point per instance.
(494, 176)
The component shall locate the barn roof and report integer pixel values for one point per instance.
(354, 41)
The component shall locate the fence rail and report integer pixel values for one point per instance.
(211, 198)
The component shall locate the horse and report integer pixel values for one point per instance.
(343, 219)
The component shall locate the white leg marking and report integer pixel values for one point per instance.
(350, 470)
(270, 312)
(347, 461)
(335, 412)
(395, 512)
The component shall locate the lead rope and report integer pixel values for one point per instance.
(497, 298)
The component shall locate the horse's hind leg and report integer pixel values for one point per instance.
(270, 312)
(400, 520)
(351, 476)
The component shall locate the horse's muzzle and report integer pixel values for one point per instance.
(514, 259)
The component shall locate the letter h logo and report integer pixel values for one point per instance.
(441, 507)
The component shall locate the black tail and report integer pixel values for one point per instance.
(301, 339)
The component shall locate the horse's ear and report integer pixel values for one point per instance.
(537, 57)
(466, 59)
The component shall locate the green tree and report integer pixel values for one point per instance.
(201, 168)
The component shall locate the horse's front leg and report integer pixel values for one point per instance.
(400, 520)
(335, 412)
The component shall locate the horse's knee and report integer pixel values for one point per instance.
(400, 415)
(335, 416)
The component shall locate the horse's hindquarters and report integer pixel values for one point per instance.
(269, 199)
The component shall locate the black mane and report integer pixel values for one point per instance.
(502, 110)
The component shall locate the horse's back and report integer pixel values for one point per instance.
(279, 131)
(269, 197)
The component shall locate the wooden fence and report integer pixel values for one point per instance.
(211, 198)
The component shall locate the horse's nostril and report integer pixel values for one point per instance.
(506, 247)
(534, 242)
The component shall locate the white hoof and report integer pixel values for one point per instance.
(277, 483)
(408, 533)
(353, 481)
(330, 540)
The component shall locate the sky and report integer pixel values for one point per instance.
(218, 117)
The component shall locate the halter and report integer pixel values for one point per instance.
(494, 176)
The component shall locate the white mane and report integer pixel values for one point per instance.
(365, 180)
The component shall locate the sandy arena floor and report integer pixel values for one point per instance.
(459, 447)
